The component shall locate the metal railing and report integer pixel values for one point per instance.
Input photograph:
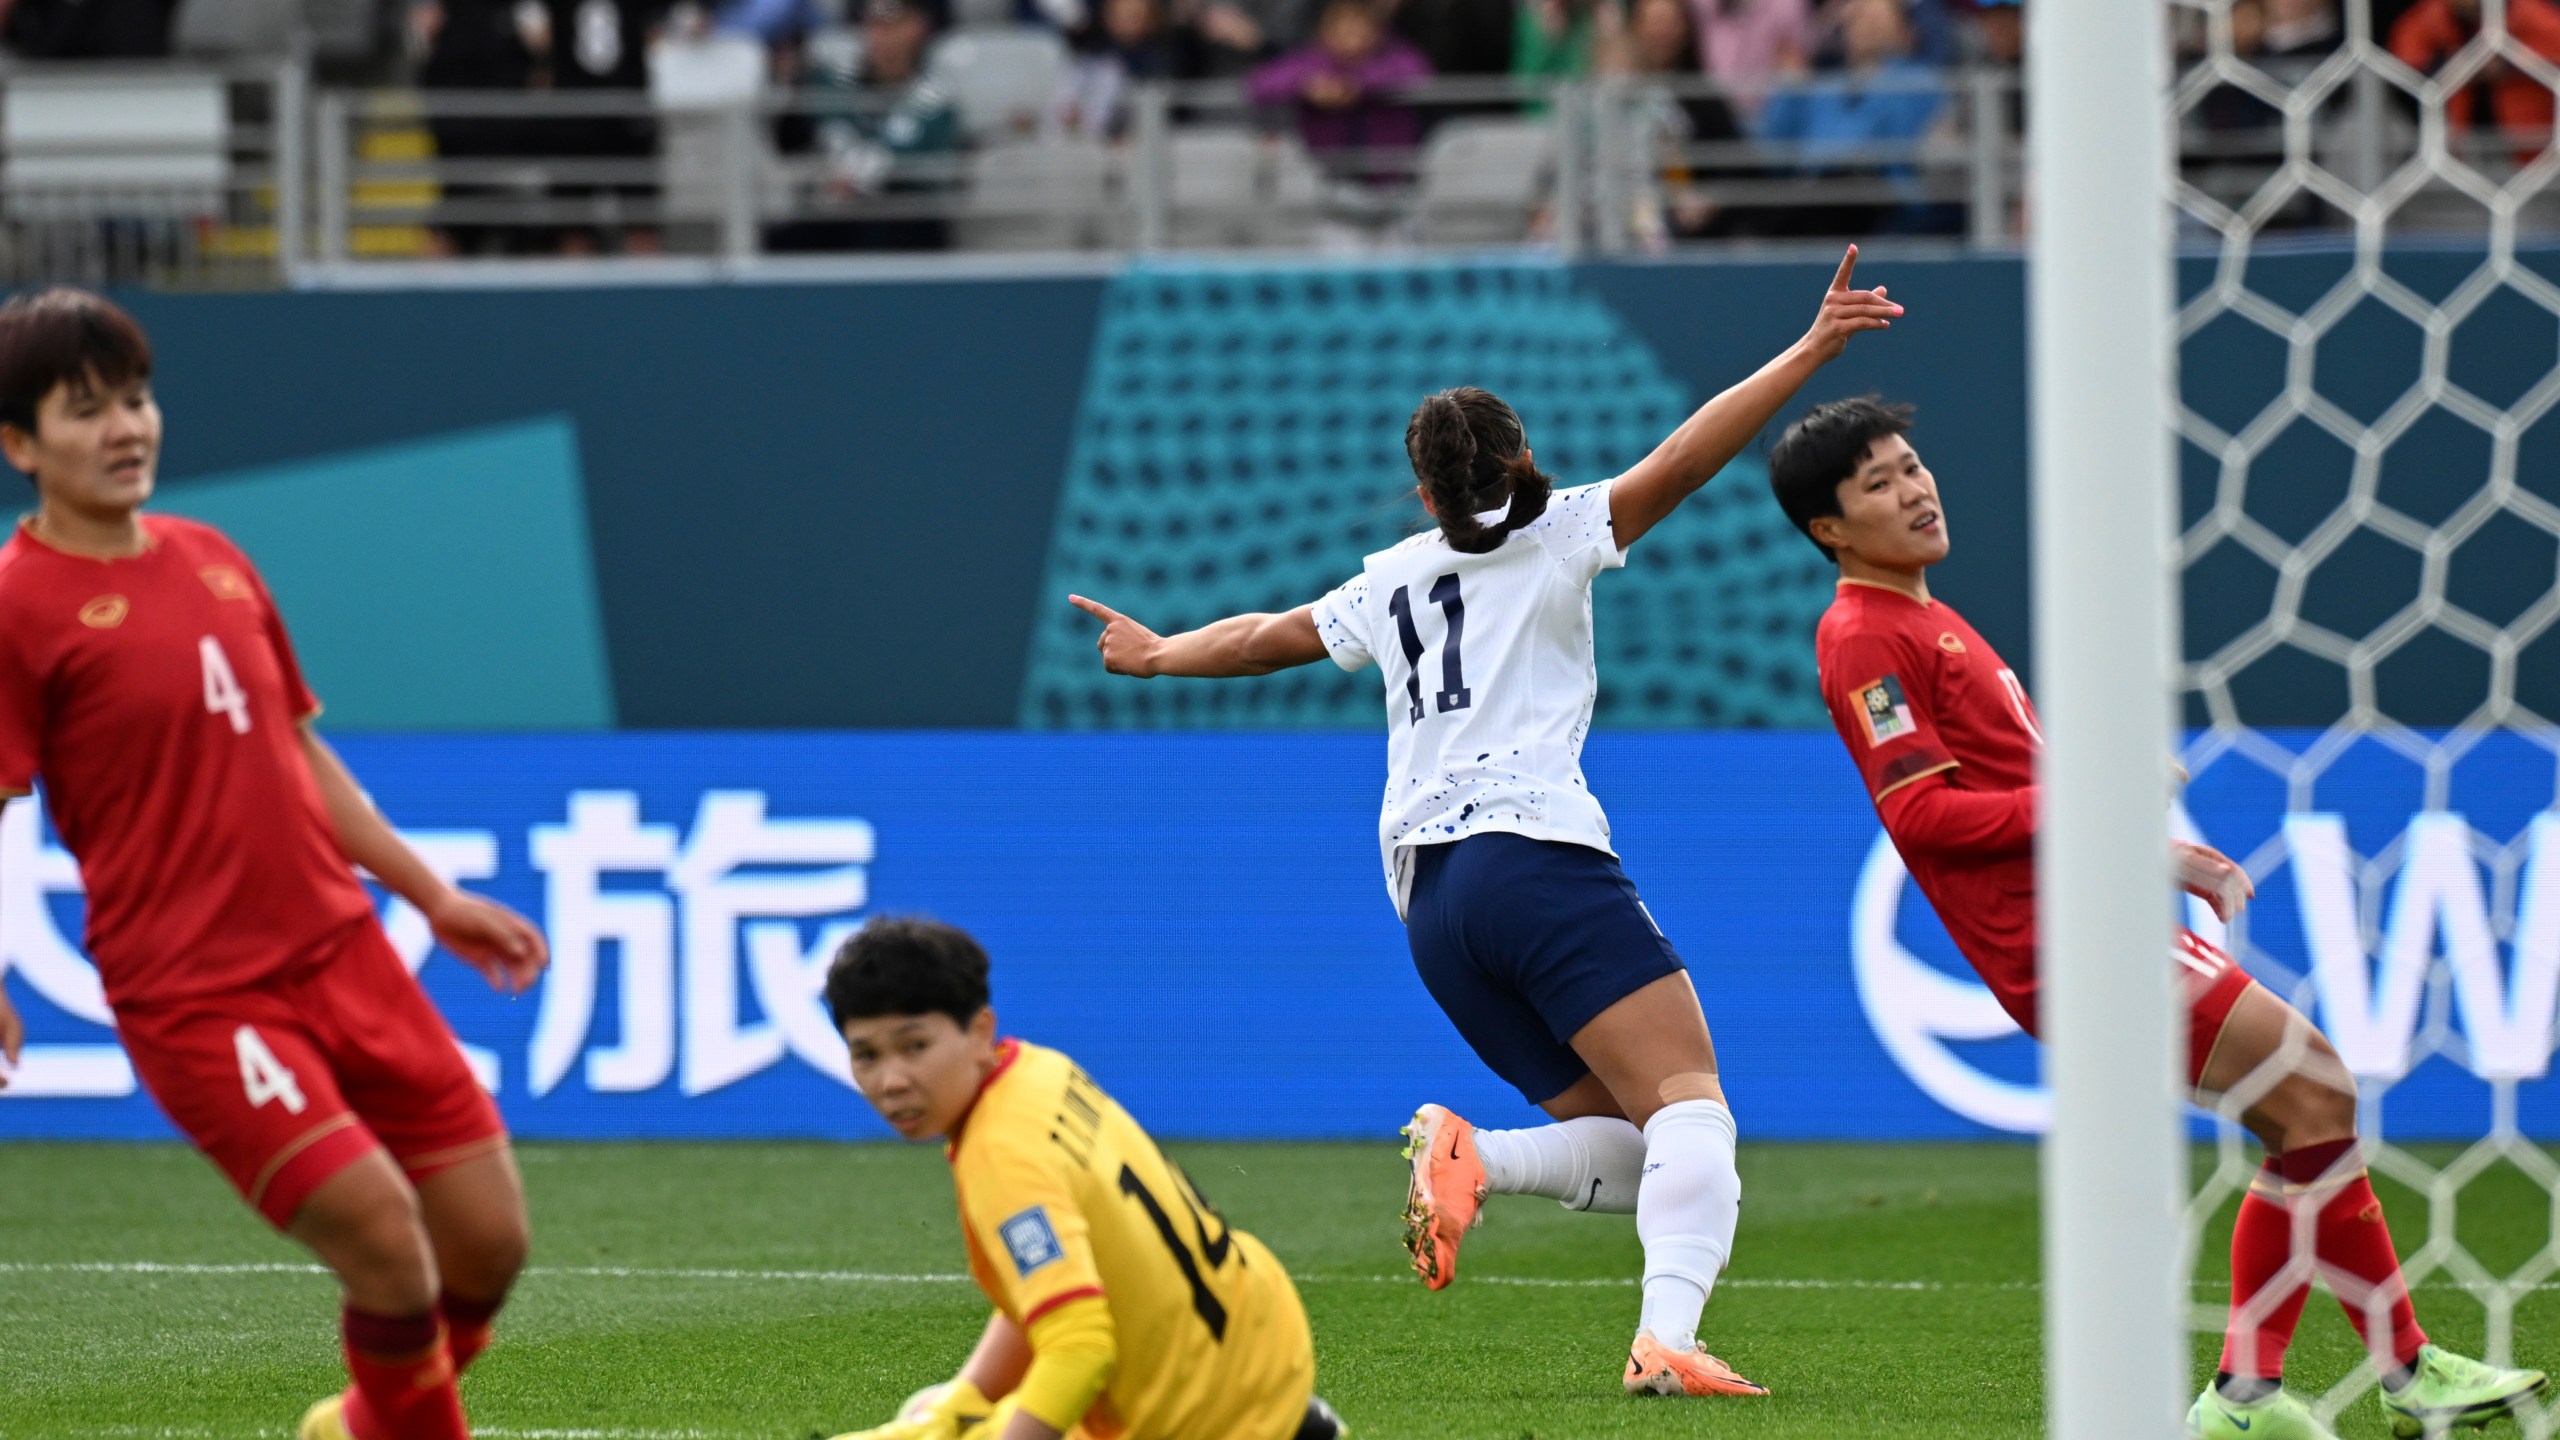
(201, 176)
(1193, 167)
(186, 177)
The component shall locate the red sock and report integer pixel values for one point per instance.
(403, 1378)
(466, 1327)
(2266, 1303)
(2355, 1250)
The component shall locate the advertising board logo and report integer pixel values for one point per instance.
(674, 921)
(2369, 935)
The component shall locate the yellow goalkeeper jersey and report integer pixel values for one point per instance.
(1062, 1196)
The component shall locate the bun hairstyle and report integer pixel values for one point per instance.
(1470, 454)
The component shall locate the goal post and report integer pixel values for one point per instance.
(2099, 308)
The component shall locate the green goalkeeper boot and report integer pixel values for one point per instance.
(2448, 1390)
(2275, 1415)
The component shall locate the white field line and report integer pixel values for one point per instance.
(879, 1277)
(888, 1277)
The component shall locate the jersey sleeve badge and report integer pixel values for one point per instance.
(226, 582)
(1887, 714)
(1031, 1240)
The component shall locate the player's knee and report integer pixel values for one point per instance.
(397, 1263)
(485, 1263)
(367, 1225)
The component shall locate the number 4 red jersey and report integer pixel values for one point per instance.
(1946, 739)
(158, 700)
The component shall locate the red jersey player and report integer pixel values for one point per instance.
(146, 681)
(1946, 740)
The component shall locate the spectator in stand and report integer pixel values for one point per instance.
(1344, 88)
(1747, 45)
(1933, 32)
(477, 45)
(1237, 35)
(2431, 31)
(600, 47)
(1132, 43)
(894, 134)
(1658, 52)
(1460, 37)
(1880, 97)
(782, 25)
(2300, 34)
(2287, 39)
(1553, 39)
(1998, 34)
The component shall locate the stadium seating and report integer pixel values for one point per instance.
(1052, 194)
(1002, 79)
(1483, 180)
(157, 139)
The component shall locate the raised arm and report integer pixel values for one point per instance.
(1236, 646)
(503, 946)
(1708, 440)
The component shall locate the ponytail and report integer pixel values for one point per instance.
(1470, 454)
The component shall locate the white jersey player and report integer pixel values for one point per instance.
(1520, 921)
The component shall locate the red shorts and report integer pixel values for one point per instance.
(285, 1084)
(2209, 984)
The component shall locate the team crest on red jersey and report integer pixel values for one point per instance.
(106, 612)
(1948, 642)
(1888, 715)
(226, 582)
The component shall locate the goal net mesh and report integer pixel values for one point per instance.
(2369, 348)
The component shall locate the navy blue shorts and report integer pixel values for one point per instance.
(1523, 942)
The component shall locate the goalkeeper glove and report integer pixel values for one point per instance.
(937, 1412)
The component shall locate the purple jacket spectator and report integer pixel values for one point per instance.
(1750, 44)
(1342, 85)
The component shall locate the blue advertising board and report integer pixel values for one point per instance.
(1200, 920)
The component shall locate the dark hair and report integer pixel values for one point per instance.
(1469, 452)
(64, 336)
(1824, 448)
(907, 965)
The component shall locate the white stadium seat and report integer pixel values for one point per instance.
(1052, 194)
(1002, 79)
(1483, 180)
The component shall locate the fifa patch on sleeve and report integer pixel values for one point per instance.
(1031, 1240)
(1888, 714)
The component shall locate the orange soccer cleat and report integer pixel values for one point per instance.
(1445, 1198)
(1654, 1368)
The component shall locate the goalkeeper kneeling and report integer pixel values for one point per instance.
(1125, 1306)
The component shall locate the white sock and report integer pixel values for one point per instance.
(1592, 1163)
(1686, 1209)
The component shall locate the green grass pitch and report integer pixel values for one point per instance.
(721, 1292)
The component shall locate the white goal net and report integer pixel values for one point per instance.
(2369, 355)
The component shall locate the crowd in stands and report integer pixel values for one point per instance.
(1826, 83)
(1802, 90)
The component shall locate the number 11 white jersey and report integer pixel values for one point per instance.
(1490, 676)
